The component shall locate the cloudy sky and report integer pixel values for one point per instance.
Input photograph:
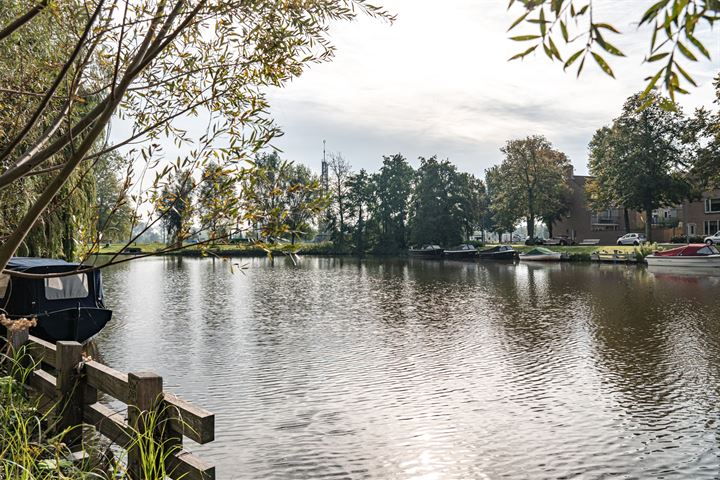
(437, 82)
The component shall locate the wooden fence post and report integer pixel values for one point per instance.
(69, 390)
(145, 393)
(18, 338)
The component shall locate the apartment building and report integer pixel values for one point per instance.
(700, 217)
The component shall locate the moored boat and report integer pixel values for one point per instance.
(68, 304)
(431, 251)
(501, 252)
(691, 255)
(540, 254)
(613, 257)
(462, 251)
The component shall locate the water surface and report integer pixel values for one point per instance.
(417, 369)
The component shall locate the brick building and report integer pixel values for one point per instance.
(698, 218)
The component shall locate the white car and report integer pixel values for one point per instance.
(631, 239)
(715, 238)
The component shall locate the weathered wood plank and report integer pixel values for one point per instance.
(145, 394)
(41, 350)
(189, 467)
(69, 390)
(43, 382)
(109, 423)
(107, 380)
(187, 419)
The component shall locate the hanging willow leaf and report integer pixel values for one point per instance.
(563, 29)
(603, 64)
(699, 45)
(523, 54)
(656, 57)
(685, 51)
(572, 58)
(519, 20)
(685, 74)
(524, 38)
(652, 11)
(607, 26)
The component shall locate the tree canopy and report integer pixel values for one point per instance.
(530, 183)
(637, 162)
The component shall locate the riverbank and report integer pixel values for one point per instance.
(575, 253)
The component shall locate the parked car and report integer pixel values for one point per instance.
(560, 240)
(715, 238)
(535, 241)
(632, 239)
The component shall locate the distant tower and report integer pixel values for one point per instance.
(324, 172)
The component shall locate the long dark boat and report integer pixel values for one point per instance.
(429, 251)
(463, 251)
(501, 252)
(67, 307)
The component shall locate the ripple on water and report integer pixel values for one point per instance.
(338, 368)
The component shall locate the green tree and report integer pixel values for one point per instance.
(115, 210)
(153, 63)
(574, 25)
(281, 198)
(176, 202)
(503, 206)
(702, 139)
(637, 161)
(217, 200)
(436, 207)
(337, 213)
(361, 197)
(473, 202)
(531, 181)
(393, 188)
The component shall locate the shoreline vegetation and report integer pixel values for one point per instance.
(576, 253)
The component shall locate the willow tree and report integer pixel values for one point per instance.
(152, 63)
(574, 33)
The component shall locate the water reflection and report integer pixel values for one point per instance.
(417, 369)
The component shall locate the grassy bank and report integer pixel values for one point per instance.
(224, 250)
(575, 252)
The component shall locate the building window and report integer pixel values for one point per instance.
(711, 226)
(712, 205)
(691, 229)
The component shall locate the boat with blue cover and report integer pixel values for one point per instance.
(65, 298)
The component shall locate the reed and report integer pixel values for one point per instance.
(32, 448)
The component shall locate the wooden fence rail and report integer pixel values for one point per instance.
(74, 390)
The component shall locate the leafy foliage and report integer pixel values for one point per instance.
(530, 183)
(637, 162)
(674, 40)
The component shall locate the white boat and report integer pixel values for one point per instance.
(540, 254)
(692, 255)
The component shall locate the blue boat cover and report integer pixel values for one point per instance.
(22, 264)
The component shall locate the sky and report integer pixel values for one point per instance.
(438, 82)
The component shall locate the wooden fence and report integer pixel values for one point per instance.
(74, 390)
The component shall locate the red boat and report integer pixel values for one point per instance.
(692, 255)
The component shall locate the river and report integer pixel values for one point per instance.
(421, 369)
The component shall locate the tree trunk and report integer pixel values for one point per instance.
(550, 228)
(531, 226)
(626, 213)
(648, 222)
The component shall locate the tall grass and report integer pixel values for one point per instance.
(32, 448)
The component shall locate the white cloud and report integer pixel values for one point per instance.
(438, 82)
